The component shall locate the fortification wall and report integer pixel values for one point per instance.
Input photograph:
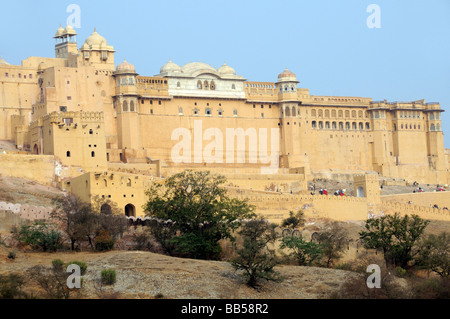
(425, 199)
(410, 209)
(39, 168)
(25, 211)
(276, 207)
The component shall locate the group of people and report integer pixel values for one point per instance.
(324, 191)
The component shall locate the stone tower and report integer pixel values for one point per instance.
(66, 42)
(126, 106)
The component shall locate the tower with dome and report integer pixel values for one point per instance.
(89, 113)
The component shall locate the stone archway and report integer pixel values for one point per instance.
(106, 209)
(130, 210)
(35, 149)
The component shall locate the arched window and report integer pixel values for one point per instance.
(293, 111)
(320, 125)
(314, 124)
(205, 85)
(354, 126)
(92, 154)
(377, 114)
(361, 126)
(367, 126)
(320, 113)
(235, 112)
(333, 113)
(327, 125)
(327, 113)
(401, 126)
(178, 84)
(360, 114)
(431, 116)
(353, 113)
(432, 127)
(347, 126)
(67, 154)
(129, 182)
(207, 111)
(199, 84)
(313, 112)
(333, 125)
(341, 126)
(213, 85)
(220, 112)
(360, 192)
(195, 111)
(340, 113)
(233, 86)
(180, 111)
(132, 106)
(347, 113)
(288, 111)
(125, 106)
(395, 127)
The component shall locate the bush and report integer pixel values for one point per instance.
(400, 271)
(108, 276)
(83, 265)
(57, 264)
(305, 253)
(40, 236)
(11, 286)
(104, 241)
(12, 255)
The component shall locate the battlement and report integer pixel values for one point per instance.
(73, 117)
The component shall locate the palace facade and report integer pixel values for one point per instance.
(86, 111)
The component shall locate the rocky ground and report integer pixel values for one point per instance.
(149, 275)
(23, 191)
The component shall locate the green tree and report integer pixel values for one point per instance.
(395, 235)
(434, 254)
(39, 235)
(306, 253)
(198, 211)
(294, 221)
(334, 240)
(254, 259)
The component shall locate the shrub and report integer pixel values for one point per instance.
(83, 265)
(11, 286)
(57, 264)
(104, 241)
(39, 235)
(12, 255)
(400, 271)
(305, 253)
(108, 276)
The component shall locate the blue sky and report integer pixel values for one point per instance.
(326, 43)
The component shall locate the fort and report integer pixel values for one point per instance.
(92, 128)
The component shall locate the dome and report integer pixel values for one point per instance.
(2, 61)
(96, 42)
(226, 70)
(59, 32)
(198, 67)
(287, 75)
(125, 66)
(69, 30)
(95, 39)
(170, 67)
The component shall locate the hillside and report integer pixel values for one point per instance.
(145, 275)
